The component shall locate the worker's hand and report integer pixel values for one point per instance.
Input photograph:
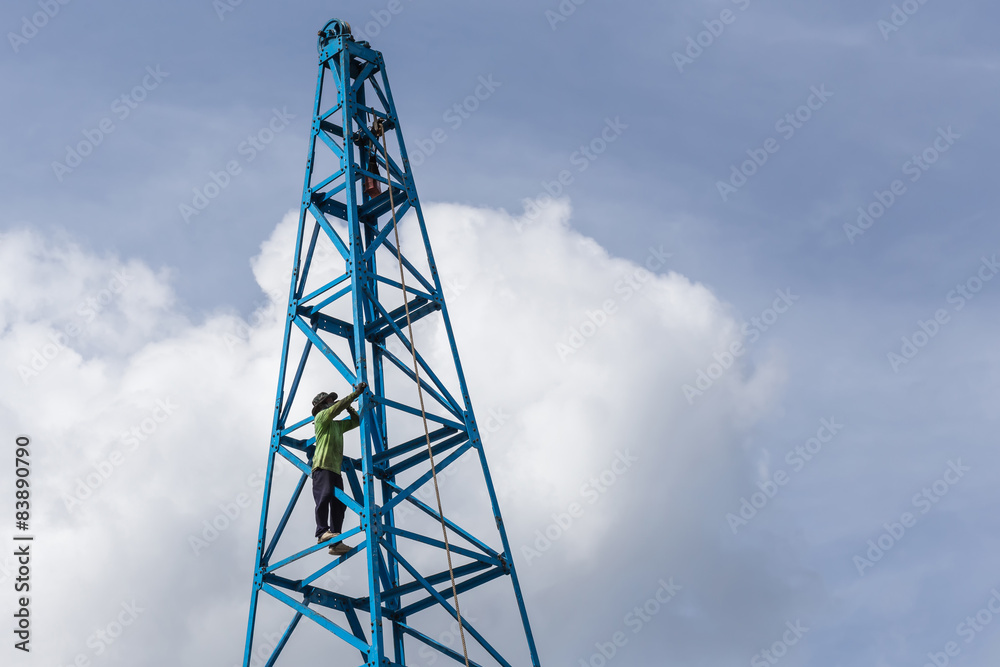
(360, 388)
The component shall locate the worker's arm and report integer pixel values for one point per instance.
(353, 421)
(360, 389)
(342, 403)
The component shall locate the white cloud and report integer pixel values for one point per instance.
(187, 407)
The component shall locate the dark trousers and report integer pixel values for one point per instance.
(329, 510)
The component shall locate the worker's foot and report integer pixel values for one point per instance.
(327, 535)
(339, 549)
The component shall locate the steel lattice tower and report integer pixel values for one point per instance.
(354, 188)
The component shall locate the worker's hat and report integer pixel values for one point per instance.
(321, 400)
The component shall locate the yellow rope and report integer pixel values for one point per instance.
(378, 128)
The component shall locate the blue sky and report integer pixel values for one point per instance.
(889, 94)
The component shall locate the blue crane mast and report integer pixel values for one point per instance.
(359, 319)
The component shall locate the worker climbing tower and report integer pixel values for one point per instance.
(354, 299)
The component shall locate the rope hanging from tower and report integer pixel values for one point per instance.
(378, 129)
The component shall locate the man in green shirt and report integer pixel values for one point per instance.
(326, 463)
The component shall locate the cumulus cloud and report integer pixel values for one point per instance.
(149, 436)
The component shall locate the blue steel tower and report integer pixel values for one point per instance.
(356, 324)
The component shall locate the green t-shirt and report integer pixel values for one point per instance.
(330, 436)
